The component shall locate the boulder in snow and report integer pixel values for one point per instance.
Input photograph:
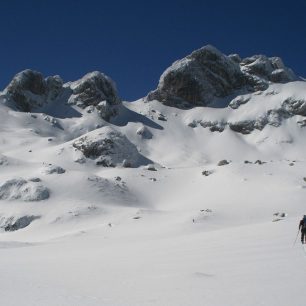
(295, 106)
(24, 190)
(259, 162)
(14, 224)
(109, 148)
(35, 179)
(144, 132)
(53, 169)
(240, 100)
(223, 162)
(151, 168)
(207, 172)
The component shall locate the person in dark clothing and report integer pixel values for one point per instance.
(302, 228)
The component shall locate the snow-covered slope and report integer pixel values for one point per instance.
(104, 202)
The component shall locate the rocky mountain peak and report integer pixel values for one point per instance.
(207, 74)
(93, 88)
(29, 90)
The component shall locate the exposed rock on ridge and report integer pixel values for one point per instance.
(206, 74)
(274, 117)
(98, 90)
(29, 90)
(109, 148)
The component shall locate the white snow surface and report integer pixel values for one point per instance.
(130, 236)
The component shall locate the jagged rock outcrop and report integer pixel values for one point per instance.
(96, 89)
(274, 117)
(239, 100)
(199, 78)
(55, 87)
(207, 74)
(29, 90)
(294, 106)
(93, 88)
(109, 148)
(270, 69)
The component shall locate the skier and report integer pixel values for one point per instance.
(302, 228)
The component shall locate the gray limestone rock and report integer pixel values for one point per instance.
(223, 162)
(29, 90)
(94, 88)
(239, 100)
(14, 224)
(243, 127)
(19, 188)
(271, 69)
(199, 78)
(144, 132)
(214, 126)
(207, 74)
(53, 169)
(109, 148)
(295, 106)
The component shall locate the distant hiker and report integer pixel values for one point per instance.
(302, 228)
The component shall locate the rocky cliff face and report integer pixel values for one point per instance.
(206, 74)
(98, 90)
(29, 90)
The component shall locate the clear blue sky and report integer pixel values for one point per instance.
(134, 41)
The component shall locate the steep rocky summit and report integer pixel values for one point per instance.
(30, 91)
(207, 74)
(98, 90)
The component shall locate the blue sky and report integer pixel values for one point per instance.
(134, 41)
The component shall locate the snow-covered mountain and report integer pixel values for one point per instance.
(166, 200)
